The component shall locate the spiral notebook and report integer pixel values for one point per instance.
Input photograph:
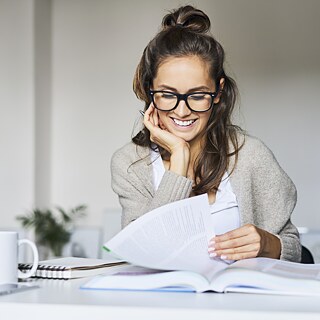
(72, 267)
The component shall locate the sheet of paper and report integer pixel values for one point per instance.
(225, 220)
(172, 237)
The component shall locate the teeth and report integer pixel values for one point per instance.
(183, 123)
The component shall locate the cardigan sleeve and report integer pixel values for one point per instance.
(130, 180)
(267, 196)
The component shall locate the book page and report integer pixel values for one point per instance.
(280, 268)
(139, 278)
(253, 281)
(270, 276)
(172, 237)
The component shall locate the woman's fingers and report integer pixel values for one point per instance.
(237, 237)
(237, 256)
(244, 242)
(237, 253)
(233, 243)
(161, 125)
(148, 118)
(151, 122)
(155, 118)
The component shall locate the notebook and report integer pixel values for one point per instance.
(72, 267)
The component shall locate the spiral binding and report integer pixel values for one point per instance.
(46, 271)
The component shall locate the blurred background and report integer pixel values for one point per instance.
(66, 99)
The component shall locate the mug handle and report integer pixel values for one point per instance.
(25, 275)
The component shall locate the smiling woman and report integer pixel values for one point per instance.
(189, 146)
(186, 74)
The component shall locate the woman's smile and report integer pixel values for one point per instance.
(185, 124)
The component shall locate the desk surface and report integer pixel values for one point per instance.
(63, 299)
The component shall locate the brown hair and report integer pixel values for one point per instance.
(185, 33)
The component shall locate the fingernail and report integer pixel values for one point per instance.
(223, 257)
(212, 254)
(212, 242)
(211, 249)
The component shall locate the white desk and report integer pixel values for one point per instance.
(58, 299)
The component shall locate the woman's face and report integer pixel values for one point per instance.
(184, 75)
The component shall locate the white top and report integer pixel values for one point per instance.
(225, 210)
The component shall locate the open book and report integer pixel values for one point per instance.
(258, 275)
(168, 250)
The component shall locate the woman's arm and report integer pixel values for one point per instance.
(132, 175)
(266, 198)
(132, 181)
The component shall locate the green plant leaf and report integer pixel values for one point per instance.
(65, 217)
(51, 229)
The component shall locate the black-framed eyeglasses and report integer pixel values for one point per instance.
(195, 101)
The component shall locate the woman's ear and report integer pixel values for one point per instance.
(220, 89)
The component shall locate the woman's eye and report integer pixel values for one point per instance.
(197, 97)
(168, 96)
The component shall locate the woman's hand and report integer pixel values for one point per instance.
(177, 147)
(245, 242)
(159, 134)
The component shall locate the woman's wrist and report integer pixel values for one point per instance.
(272, 247)
(179, 160)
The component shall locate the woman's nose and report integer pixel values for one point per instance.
(182, 109)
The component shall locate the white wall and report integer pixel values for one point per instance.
(17, 109)
(272, 51)
(42, 100)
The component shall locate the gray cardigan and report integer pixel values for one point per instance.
(266, 196)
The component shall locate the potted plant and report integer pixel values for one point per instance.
(52, 228)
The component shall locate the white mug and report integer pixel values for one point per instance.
(9, 245)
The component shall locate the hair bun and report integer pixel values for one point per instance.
(187, 17)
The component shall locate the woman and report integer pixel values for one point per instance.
(189, 146)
